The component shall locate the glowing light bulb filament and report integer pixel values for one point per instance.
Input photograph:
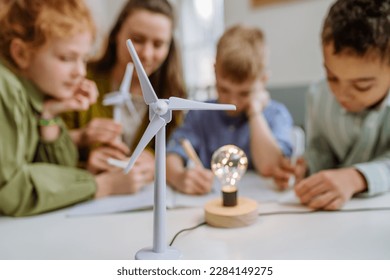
(229, 163)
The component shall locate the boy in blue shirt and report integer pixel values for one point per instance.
(259, 126)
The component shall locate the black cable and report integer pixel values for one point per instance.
(186, 229)
(293, 213)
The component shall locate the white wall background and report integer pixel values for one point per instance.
(105, 13)
(292, 32)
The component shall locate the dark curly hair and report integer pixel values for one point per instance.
(359, 26)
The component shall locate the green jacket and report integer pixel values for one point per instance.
(35, 176)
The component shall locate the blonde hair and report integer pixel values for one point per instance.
(35, 21)
(241, 53)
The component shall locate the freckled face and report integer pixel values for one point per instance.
(356, 82)
(58, 67)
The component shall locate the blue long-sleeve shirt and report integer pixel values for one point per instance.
(209, 130)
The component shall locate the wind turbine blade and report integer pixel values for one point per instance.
(111, 94)
(117, 114)
(112, 98)
(154, 126)
(132, 110)
(176, 103)
(147, 89)
(125, 85)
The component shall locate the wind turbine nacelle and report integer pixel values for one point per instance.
(160, 108)
(115, 97)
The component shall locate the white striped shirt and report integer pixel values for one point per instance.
(337, 138)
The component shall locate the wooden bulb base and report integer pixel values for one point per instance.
(243, 214)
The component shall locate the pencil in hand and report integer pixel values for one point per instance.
(189, 150)
(298, 141)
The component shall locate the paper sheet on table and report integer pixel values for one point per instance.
(252, 186)
(116, 203)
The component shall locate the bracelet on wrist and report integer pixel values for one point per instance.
(49, 122)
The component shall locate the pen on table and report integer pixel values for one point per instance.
(189, 150)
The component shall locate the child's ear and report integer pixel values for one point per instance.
(20, 53)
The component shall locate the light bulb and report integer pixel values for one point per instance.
(228, 164)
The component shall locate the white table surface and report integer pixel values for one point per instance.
(330, 235)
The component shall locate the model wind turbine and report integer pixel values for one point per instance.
(160, 113)
(123, 96)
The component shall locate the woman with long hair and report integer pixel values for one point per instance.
(150, 25)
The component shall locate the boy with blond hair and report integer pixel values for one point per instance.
(259, 126)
